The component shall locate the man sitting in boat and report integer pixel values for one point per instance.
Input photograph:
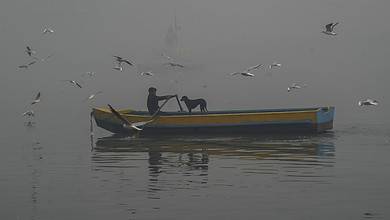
(153, 100)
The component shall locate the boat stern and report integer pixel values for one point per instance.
(325, 117)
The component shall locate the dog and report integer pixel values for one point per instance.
(191, 104)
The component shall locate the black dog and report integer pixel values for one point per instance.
(191, 104)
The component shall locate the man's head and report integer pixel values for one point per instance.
(152, 90)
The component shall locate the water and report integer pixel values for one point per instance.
(338, 175)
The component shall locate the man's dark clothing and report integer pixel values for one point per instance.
(153, 102)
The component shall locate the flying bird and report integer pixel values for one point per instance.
(47, 31)
(29, 51)
(368, 102)
(121, 60)
(172, 64)
(243, 74)
(295, 86)
(26, 66)
(254, 67)
(92, 96)
(138, 126)
(37, 99)
(74, 82)
(274, 65)
(148, 73)
(329, 29)
(29, 113)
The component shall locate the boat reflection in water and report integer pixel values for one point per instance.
(174, 163)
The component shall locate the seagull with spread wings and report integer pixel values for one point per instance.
(37, 99)
(172, 64)
(74, 82)
(121, 60)
(329, 29)
(47, 31)
(138, 126)
(29, 51)
(248, 74)
(368, 102)
(26, 66)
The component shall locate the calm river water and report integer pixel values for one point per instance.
(343, 174)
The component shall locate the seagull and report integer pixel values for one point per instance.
(254, 67)
(47, 31)
(148, 73)
(368, 102)
(121, 60)
(25, 66)
(172, 64)
(295, 86)
(29, 113)
(37, 99)
(138, 126)
(29, 51)
(273, 65)
(74, 82)
(243, 74)
(93, 96)
(329, 29)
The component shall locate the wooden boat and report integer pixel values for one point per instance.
(294, 120)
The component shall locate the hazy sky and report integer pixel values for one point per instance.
(217, 37)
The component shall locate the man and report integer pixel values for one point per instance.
(153, 100)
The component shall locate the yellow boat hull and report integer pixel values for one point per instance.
(254, 121)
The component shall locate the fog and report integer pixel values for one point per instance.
(217, 37)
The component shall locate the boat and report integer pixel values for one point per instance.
(292, 120)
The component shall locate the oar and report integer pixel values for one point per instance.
(155, 115)
(178, 102)
(91, 130)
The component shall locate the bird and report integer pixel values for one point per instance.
(329, 29)
(368, 102)
(25, 66)
(243, 74)
(37, 99)
(29, 51)
(92, 96)
(138, 126)
(254, 67)
(121, 60)
(172, 64)
(295, 86)
(47, 31)
(75, 83)
(29, 113)
(274, 64)
(147, 73)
